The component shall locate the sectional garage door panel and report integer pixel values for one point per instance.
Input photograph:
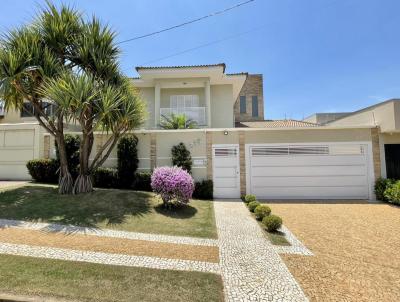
(16, 148)
(324, 171)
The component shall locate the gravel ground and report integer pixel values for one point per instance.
(109, 245)
(356, 248)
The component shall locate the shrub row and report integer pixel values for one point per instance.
(109, 178)
(388, 190)
(262, 212)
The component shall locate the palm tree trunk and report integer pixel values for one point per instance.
(83, 183)
(65, 180)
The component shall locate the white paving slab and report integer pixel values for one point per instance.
(70, 229)
(296, 247)
(250, 266)
(107, 258)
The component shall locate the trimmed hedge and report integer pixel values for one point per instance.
(105, 178)
(142, 181)
(272, 223)
(392, 193)
(127, 161)
(253, 205)
(203, 189)
(43, 170)
(381, 184)
(262, 211)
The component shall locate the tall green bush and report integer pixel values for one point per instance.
(127, 161)
(181, 157)
(72, 143)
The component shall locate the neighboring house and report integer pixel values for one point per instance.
(386, 116)
(328, 156)
(324, 118)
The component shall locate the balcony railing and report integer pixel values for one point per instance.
(197, 114)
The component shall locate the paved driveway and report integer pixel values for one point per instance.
(356, 247)
(10, 183)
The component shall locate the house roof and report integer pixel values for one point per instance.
(182, 66)
(276, 124)
(366, 109)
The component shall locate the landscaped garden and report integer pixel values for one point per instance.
(117, 209)
(268, 222)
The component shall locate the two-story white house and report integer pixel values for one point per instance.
(329, 156)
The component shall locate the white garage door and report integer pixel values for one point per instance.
(16, 148)
(331, 171)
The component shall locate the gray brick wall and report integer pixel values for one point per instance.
(253, 86)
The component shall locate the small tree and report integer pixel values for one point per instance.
(174, 185)
(177, 121)
(181, 157)
(127, 160)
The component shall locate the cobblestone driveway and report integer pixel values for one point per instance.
(356, 250)
(251, 268)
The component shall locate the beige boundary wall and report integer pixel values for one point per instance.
(154, 146)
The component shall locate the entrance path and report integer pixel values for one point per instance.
(250, 266)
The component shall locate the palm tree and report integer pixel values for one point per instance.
(177, 121)
(95, 105)
(28, 56)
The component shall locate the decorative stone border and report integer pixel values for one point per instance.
(296, 247)
(106, 258)
(250, 266)
(69, 229)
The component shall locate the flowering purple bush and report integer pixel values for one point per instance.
(173, 184)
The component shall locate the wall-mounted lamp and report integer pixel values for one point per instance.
(225, 132)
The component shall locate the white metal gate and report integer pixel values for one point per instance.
(308, 171)
(226, 172)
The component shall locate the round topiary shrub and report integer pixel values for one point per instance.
(174, 185)
(243, 197)
(249, 198)
(253, 205)
(272, 222)
(262, 211)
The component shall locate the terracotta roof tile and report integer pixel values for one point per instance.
(182, 66)
(276, 124)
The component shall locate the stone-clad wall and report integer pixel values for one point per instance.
(252, 86)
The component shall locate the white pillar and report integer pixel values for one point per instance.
(157, 96)
(208, 102)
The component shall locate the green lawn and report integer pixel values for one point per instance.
(80, 281)
(115, 209)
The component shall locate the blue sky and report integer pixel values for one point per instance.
(315, 55)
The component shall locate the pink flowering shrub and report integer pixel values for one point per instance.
(174, 185)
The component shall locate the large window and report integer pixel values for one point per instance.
(254, 105)
(184, 101)
(242, 104)
(29, 111)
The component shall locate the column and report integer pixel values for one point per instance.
(157, 96)
(208, 102)
(376, 156)
(209, 155)
(242, 159)
(153, 151)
